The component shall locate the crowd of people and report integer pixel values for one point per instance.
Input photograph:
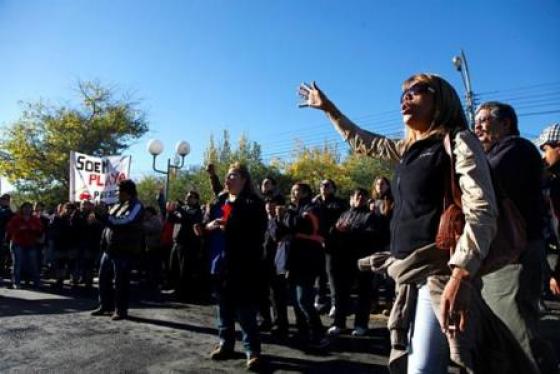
(426, 247)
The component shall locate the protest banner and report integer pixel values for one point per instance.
(97, 178)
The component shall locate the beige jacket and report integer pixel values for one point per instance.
(475, 180)
(486, 345)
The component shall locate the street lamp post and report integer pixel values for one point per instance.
(460, 63)
(155, 147)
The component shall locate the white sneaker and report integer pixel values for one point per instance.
(359, 331)
(334, 331)
(332, 312)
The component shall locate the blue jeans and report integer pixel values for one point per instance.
(307, 316)
(25, 259)
(229, 310)
(429, 351)
(114, 267)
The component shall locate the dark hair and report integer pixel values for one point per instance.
(25, 204)
(129, 187)
(272, 180)
(276, 199)
(360, 191)
(306, 188)
(374, 194)
(151, 210)
(501, 112)
(329, 181)
(194, 193)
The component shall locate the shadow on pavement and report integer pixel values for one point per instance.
(275, 363)
(174, 325)
(13, 306)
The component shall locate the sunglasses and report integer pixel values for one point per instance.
(416, 89)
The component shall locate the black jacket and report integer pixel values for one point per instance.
(305, 256)
(363, 236)
(58, 233)
(418, 189)
(185, 217)
(243, 252)
(5, 215)
(123, 232)
(518, 169)
(329, 210)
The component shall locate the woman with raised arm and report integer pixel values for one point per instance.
(238, 278)
(444, 323)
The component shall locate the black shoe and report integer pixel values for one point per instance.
(279, 332)
(265, 326)
(101, 312)
(59, 284)
(254, 363)
(221, 353)
(319, 343)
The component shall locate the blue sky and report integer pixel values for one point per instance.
(202, 66)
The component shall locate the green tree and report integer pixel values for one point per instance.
(221, 153)
(40, 141)
(362, 170)
(311, 165)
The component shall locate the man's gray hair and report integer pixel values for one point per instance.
(500, 112)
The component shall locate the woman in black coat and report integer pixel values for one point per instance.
(243, 223)
(302, 222)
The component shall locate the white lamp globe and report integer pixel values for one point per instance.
(182, 148)
(155, 147)
(458, 62)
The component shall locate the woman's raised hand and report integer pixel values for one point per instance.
(313, 97)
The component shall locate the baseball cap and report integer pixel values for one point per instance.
(550, 135)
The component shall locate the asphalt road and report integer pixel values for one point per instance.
(47, 332)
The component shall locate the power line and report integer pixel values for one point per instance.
(331, 130)
(329, 135)
(521, 88)
(524, 97)
(538, 113)
(322, 124)
(324, 143)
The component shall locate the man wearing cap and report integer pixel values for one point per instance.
(549, 143)
(5, 215)
(513, 291)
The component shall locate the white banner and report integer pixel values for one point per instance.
(97, 178)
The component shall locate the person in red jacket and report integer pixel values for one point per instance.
(24, 231)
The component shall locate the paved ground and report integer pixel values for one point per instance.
(46, 332)
(49, 332)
